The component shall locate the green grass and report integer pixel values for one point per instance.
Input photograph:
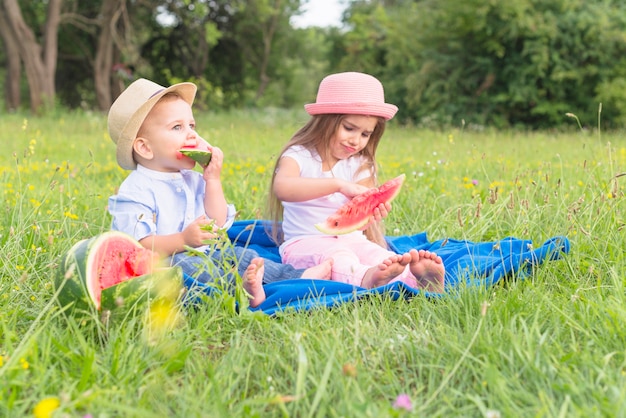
(551, 345)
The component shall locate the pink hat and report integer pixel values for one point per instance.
(351, 93)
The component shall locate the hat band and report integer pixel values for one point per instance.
(156, 92)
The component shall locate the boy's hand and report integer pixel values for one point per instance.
(213, 171)
(199, 231)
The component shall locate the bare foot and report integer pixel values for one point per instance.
(381, 274)
(253, 281)
(428, 270)
(321, 271)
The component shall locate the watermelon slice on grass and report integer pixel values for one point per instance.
(113, 272)
(356, 213)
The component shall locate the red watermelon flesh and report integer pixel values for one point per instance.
(99, 263)
(119, 260)
(357, 212)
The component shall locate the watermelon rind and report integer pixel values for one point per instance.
(356, 213)
(71, 287)
(164, 284)
(202, 157)
(330, 229)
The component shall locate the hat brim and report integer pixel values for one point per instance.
(384, 110)
(124, 153)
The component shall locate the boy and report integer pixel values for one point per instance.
(165, 204)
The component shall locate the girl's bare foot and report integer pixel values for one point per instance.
(428, 270)
(253, 281)
(381, 274)
(321, 271)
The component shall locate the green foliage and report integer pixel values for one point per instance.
(522, 63)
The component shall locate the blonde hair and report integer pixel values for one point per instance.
(316, 135)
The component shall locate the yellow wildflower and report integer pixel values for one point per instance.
(46, 407)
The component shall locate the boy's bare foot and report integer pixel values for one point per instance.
(321, 271)
(428, 270)
(381, 274)
(253, 281)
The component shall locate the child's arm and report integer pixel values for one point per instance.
(289, 186)
(195, 235)
(215, 204)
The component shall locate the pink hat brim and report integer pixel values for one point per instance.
(384, 110)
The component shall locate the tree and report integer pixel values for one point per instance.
(14, 66)
(113, 15)
(260, 22)
(39, 59)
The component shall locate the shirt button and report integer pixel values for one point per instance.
(178, 189)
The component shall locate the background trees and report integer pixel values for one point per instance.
(523, 63)
(526, 62)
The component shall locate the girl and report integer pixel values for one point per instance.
(328, 161)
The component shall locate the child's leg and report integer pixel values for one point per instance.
(312, 251)
(425, 270)
(221, 264)
(428, 270)
(387, 265)
(276, 272)
(202, 269)
(348, 266)
(253, 282)
(217, 263)
(387, 271)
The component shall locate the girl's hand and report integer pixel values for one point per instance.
(199, 231)
(380, 213)
(213, 171)
(350, 189)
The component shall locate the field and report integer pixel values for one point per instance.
(551, 345)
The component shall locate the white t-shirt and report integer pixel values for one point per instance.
(299, 218)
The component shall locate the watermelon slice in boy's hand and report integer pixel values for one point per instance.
(199, 155)
(357, 212)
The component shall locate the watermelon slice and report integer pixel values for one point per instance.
(97, 272)
(199, 155)
(357, 212)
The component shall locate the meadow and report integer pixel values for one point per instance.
(551, 345)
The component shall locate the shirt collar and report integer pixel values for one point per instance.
(158, 175)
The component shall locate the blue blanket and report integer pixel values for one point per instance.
(466, 262)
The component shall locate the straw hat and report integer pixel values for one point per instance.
(351, 93)
(131, 108)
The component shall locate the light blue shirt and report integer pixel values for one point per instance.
(156, 203)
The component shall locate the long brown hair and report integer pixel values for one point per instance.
(316, 135)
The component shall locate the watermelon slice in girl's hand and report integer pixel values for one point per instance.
(200, 155)
(355, 214)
